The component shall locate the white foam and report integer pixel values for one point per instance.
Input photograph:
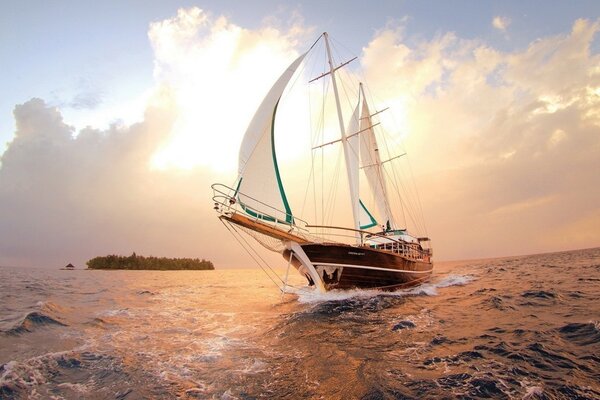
(427, 289)
(28, 373)
(228, 395)
(114, 313)
(76, 387)
(9, 368)
(430, 289)
(255, 367)
(533, 391)
(455, 280)
(196, 391)
(310, 295)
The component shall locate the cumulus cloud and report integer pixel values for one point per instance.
(66, 196)
(506, 144)
(219, 72)
(501, 23)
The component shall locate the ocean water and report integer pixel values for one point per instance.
(512, 328)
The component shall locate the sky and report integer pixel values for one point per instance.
(116, 116)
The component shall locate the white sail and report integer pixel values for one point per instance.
(352, 150)
(371, 164)
(259, 188)
(359, 210)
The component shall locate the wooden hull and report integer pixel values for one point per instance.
(345, 267)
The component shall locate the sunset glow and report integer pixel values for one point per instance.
(280, 199)
(499, 118)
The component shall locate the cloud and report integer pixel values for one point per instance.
(66, 196)
(501, 23)
(88, 96)
(86, 100)
(505, 146)
(219, 72)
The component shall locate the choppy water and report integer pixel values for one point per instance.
(522, 327)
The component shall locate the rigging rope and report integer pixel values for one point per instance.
(229, 228)
(245, 245)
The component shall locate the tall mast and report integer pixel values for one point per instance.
(352, 175)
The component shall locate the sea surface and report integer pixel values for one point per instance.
(511, 328)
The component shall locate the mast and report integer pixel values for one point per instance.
(352, 175)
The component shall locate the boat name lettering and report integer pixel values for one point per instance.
(356, 253)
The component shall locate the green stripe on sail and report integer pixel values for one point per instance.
(251, 212)
(373, 222)
(237, 189)
(288, 212)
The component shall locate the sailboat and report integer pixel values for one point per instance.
(367, 250)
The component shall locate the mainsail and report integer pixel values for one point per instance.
(352, 150)
(372, 166)
(259, 177)
(353, 134)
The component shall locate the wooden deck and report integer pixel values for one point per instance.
(261, 227)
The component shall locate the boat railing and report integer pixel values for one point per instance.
(409, 250)
(229, 201)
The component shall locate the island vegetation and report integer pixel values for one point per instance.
(136, 262)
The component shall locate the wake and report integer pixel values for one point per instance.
(308, 295)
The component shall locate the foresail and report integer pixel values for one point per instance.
(371, 164)
(259, 188)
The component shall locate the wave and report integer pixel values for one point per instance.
(102, 323)
(589, 279)
(539, 294)
(475, 386)
(32, 321)
(146, 292)
(582, 333)
(496, 302)
(406, 324)
(46, 316)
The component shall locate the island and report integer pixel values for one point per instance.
(136, 262)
